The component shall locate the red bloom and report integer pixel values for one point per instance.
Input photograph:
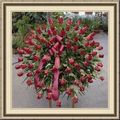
(63, 82)
(94, 53)
(40, 84)
(39, 30)
(97, 44)
(76, 39)
(89, 77)
(76, 82)
(46, 72)
(69, 91)
(101, 55)
(39, 95)
(74, 99)
(50, 20)
(90, 80)
(76, 27)
(67, 28)
(100, 48)
(59, 38)
(82, 88)
(60, 20)
(58, 103)
(82, 52)
(38, 47)
(89, 57)
(62, 33)
(29, 82)
(30, 42)
(20, 59)
(20, 51)
(97, 68)
(49, 32)
(27, 50)
(100, 64)
(82, 79)
(35, 58)
(86, 44)
(29, 74)
(69, 21)
(68, 69)
(20, 74)
(86, 63)
(101, 78)
(71, 61)
(18, 66)
(23, 66)
(68, 45)
(89, 37)
(75, 48)
(79, 22)
(49, 96)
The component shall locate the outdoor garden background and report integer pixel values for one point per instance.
(23, 96)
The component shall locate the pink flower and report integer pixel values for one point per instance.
(50, 20)
(82, 88)
(35, 58)
(39, 95)
(71, 61)
(20, 74)
(20, 59)
(23, 66)
(89, 37)
(94, 53)
(60, 20)
(29, 74)
(18, 66)
(29, 82)
(69, 21)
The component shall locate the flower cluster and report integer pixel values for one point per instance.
(60, 57)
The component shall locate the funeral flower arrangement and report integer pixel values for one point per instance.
(60, 57)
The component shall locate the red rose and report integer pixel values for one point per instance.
(82, 52)
(76, 27)
(63, 82)
(60, 20)
(20, 74)
(100, 48)
(29, 74)
(69, 91)
(62, 33)
(67, 28)
(49, 96)
(39, 95)
(97, 44)
(29, 82)
(50, 20)
(35, 58)
(101, 55)
(94, 53)
(38, 47)
(97, 68)
(76, 82)
(86, 44)
(20, 51)
(23, 66)
(89, 57)
(89, 37)
(20, 59)
(18, 66)
(58, 103)
(101, 78)
(79, 22)
(69, 21)
(90, 80)
(68, 69)
(74, 99)
(82, 88)
(86, 63)
(71, 61)
(100, 64)
(76, 39)
(39, 30)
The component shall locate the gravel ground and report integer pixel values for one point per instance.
(96, 95)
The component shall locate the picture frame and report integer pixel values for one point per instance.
(112, 112)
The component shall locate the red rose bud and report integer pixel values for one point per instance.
(49, 32)
(100, 48)
(94, 53)
(79, 22)
(27, 50)
(77, 66)
(101, 78)
(29, 74)
(29, 82)
(81, 31)
(89, 57)
(49, 96)
(39, 95)
(101, 55)
(35, 58)
(23, 66)
(69, 21)
(74, 99)
(97, 44)
(30, 42)
(92, 43)
(62, 33)
(67, 28)
(50, 20)
(49, 89)
(58, 103)
(39, 30)
(54, 32)
(82, 88)
(40, 84)
(82, 52)
(37, 47)
(37, 71)
(90, 80)
(76, 27)
(46, 72)
(100, 64)
(20, 59)
(69, 91)
(68, 45)
(75, 48)
(63, 82)
(76, 39)
(89, 37)
(82, 79)
(93, 34)
(20, 74)
(86, 44)
(71, 61)
(20, 51)
(85, 63)
(68, 70)
(89, 77)
(54, 69)
(76, 82)
(17, 66)
(60, 20)
(97, 68)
